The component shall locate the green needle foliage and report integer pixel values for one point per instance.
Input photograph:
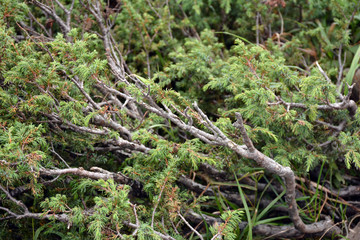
(99, 137)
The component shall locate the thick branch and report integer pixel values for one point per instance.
(275, 168)
(263, 230)
(95, 173)
(240, 124)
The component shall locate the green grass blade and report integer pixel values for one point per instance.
(271, 220)
(268, 207)
(234, 35)
(246, 207)
(354, 65)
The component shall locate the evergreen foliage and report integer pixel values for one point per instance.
(166, 119)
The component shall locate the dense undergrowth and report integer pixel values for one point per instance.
(226, 119)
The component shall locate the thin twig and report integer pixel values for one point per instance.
(188, 224)
(157, 203)
(323, 72)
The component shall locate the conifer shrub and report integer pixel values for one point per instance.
(178, 119)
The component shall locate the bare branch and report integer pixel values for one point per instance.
(58, 155)
(212, 127)
(80, 129)
(189, 225)
(65, 26)
(156, 205)
(345, 104)
(136, 219)
(17, 202)
(323, 73)
(76, 171)
(341, 69)
(337, 128)
(40, 25)
(240, 124)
